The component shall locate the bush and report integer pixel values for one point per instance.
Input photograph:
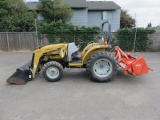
(126, 37)
(58, 32)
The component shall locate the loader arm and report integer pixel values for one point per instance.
(58, 50)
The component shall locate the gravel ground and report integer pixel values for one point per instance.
(76, 97)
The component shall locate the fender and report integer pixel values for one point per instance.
(93, 50)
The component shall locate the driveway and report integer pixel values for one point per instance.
(76, 97)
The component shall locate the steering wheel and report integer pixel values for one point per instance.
(80, 42)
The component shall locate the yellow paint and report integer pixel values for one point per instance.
(87, 48)
(87, 52)
(61, 51)
(75, 64)
(91, 49)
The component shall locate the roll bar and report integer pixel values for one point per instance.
(109, 31)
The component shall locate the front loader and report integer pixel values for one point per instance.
(100, 65)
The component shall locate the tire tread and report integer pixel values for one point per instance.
(95, 57)
(52, 63)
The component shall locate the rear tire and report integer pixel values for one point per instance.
(101, 67)
(52, 71)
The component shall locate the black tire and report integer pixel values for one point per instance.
(101, 67)
(57, 69)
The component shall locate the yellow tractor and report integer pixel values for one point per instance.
(100, 65)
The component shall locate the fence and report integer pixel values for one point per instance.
(137, 42)
(10, 41)
(15, 41)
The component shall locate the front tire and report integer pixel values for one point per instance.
(52, 71)
(101, 67)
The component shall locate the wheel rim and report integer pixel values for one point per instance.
(52, 72)
(102, 68)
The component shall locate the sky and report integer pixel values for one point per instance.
(144, 11)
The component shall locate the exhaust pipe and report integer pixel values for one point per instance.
(21, 76)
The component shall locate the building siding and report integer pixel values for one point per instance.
(80, 17)
(95, 19)
(116, 20)
(89, 13)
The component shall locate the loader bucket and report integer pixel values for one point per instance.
(21, 76)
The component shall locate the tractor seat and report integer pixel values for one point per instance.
(75, 56)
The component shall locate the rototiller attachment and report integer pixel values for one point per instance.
(130, 64)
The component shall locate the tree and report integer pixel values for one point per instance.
(11, 7)
(55, 11)
(149, 25)
(21, 22)
(15, 17)
(126, 21)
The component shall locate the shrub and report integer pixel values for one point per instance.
(58, 32)
(126, 38)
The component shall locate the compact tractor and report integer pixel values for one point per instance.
(101, 66)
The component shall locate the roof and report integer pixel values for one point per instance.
(91, 5)
(76, 3)
(102, 5)
(71, 3)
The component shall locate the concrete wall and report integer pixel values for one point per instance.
(155, 42)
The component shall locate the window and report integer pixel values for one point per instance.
(39, 17)
(107, 15)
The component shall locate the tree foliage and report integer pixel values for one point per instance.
(126, 21)
(21, 22)
(149, 25)
(55, 11)
(15, 17)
